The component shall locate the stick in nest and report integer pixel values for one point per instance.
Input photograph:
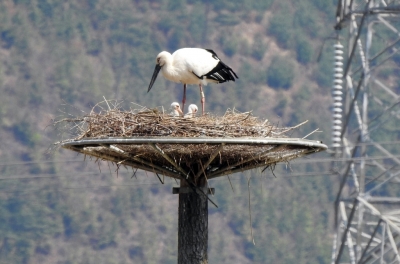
(107, 119)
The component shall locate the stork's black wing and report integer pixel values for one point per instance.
(221, 72)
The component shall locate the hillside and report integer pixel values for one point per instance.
(59, 58)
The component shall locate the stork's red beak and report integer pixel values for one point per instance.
(154, 77)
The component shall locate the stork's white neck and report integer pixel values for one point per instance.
(168, 69)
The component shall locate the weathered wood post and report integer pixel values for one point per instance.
(192, 224)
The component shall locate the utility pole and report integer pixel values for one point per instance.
(192, 224)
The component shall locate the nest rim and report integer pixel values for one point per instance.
(101, 148)
(198, 140)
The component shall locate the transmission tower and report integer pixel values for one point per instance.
(366, 131)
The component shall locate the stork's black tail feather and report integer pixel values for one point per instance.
(221, 73)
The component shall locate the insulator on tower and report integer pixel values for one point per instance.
(337, 95)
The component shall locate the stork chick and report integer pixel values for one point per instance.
(176, 110)
(192, 111)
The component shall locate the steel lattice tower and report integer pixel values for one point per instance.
(366, 131)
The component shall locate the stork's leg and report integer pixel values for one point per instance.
(203, 98)
(184, 97)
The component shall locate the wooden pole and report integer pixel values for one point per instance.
(193, 225)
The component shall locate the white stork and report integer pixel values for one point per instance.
(192, 66)
(176, 110)
(192, 110)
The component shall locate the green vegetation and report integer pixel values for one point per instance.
(229, 44)
(281, 27)
(227, 20)
(304, 51)
(259, 48)
(61, 57)
(280, 73)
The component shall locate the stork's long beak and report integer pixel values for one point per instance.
(180, 111)
(154, 77)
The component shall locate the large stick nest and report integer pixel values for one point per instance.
(156, 122)
(106, 123)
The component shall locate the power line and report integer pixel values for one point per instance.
(28, 192)
(156, 182)
(61, 175)
(56, 175)
(81, 160)
(49, 176)
(344, 159)
(309, 160)
(150, 183)
(38, 162)
(298, 161)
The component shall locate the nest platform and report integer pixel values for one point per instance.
(177, 147)
(179, 157)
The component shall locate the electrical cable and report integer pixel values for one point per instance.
(301, 161)
(38, 162)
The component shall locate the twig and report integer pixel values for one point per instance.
(291, 128)
(159, 178)
(273, 169)
(109, 108)
(134, 174)
(229, 179)
(266, 167)
(212, 157)
(316, 130)
(109, 168)
(205, 176)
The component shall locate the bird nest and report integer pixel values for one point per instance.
(210, 145)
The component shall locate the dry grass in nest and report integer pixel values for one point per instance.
(145, 122)
(112, 122)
